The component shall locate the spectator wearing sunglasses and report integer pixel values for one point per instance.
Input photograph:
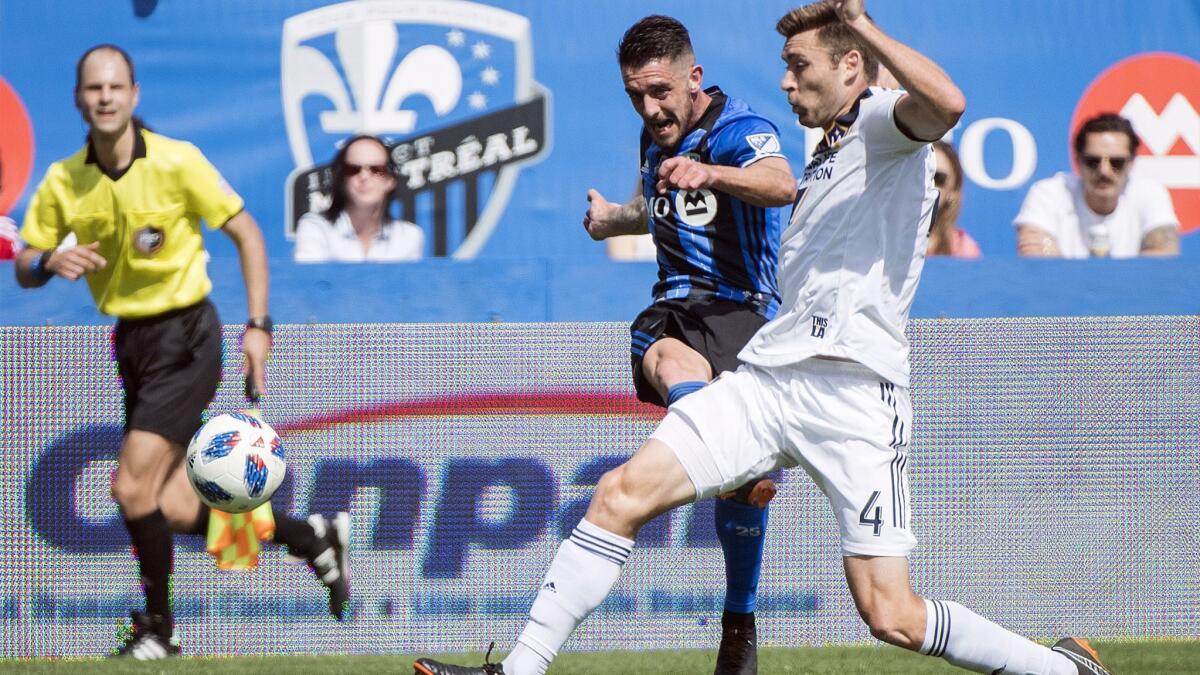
(358, 225)
(945, 236)
(1102, 211)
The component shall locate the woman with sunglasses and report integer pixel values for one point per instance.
(945, 236)
(358, 225)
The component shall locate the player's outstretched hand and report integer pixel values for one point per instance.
(72, 263)
(600, 219)
(683, 173)
(849, 10)
(256, 344)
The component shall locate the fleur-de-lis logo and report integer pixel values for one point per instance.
(366, 51)
(450, 83)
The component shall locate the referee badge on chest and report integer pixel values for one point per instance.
(148, 240)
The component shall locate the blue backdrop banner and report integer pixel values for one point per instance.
(505, 113)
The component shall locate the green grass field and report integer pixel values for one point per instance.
(1123, 658)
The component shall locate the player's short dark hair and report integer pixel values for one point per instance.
(822, 17)
(655, 37)
(337, 190)
(1103, 123)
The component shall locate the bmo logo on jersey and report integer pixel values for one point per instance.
(1159, 94)
(449, 84)
(696, 207)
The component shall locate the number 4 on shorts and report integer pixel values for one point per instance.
(877, 521)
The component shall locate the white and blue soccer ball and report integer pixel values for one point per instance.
(235, 462)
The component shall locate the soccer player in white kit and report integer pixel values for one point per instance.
(825, 385)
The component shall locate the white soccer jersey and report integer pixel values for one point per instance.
(852, 254)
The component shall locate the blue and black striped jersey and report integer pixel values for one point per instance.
(710, 243)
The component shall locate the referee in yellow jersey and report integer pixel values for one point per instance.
(134, 201)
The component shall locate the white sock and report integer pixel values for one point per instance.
(970, 641)
(584, 570)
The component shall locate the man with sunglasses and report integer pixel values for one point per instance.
(1103, 211)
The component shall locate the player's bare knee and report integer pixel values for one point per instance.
(613, 505)
(674, 369)
(609, 496)
(131, 494)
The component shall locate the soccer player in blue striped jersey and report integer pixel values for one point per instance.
(712, 174)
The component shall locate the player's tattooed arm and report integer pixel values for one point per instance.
(606, 219)
(1161, 241)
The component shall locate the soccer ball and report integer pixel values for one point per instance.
(235, 462)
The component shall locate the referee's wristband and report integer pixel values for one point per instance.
(39, 270)
(262, 323)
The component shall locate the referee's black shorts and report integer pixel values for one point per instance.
(170, 365)
(716, 328)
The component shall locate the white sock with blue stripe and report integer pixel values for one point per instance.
(584, 570)
(970, 641)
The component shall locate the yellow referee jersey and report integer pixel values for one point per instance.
(147, 220)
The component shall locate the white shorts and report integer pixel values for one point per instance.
(838, 420)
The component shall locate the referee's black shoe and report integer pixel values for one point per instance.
(148, 639)
(738, 654)
(330, 559)
(1085, 658)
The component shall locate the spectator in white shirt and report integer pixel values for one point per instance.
(358, 225)
(1103, 211)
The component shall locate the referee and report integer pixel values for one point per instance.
(134, 201)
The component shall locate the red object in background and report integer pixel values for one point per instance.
(16, 147)
(1160, 94)
(8, 239)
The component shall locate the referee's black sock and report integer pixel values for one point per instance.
(155, 554)
(297, 535)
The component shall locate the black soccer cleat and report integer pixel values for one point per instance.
(330, 559)
(147, 639)
(1085, 658)
(738, 654)
(431, 667)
